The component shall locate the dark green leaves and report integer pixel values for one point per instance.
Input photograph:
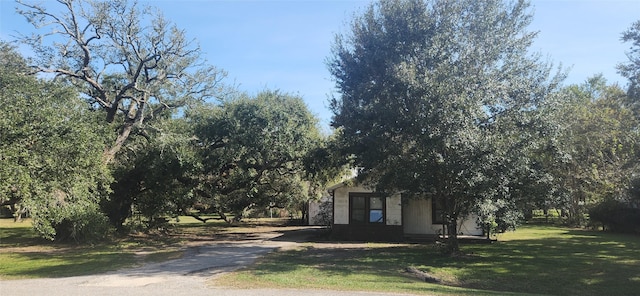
(253, 151)
(50, 151)
(439, 98)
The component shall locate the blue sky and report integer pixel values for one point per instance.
(284, 44)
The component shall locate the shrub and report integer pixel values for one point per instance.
(81, 221)
(615, 216)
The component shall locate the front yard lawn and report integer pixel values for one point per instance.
(24, 255)
(534, 259)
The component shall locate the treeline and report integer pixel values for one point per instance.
(228, 158)
(445, 99)
(136, 124)
(118, 116)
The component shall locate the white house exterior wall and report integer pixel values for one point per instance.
(417, 217)
(341, 205)
(470, 226)
(394, 210)
(418, 220)
(403, 217)
(315, 211)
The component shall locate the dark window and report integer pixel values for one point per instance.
(366, 208)
(358, 209)
(437, 211)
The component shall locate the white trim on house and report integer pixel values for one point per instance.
(413, 216)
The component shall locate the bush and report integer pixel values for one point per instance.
(79, 221)
(615, 216)
(86, 226)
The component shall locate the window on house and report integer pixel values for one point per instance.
(366, 208)
(437, 211)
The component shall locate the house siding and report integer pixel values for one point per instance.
(417, 217)
(394, 210)
(341, 204)
(418, 220)
(403, 217)
(316, 215)
(391, 230)
(470, 227)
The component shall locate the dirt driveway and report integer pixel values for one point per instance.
(185, 276)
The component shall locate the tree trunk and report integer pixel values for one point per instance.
(223, 216)
(528, 213)
(17, 212)
(110, 153)
(118, 209)
(488, 231)
(546, 214)
(305, 213)
(452, 239)
(451, 220)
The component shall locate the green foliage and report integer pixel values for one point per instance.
(439, 98)
(325, 213)
(593, 151)
(252, 152)
(326, 163)
(154, 179)
(631, 69)
(615, 216)
(51, 154)
(136, 70)
(81, 221)
(498, 216)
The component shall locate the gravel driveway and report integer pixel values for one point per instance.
(185, 276)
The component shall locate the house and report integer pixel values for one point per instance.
(359, 213)
(320, 211)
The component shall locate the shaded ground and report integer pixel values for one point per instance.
(203, 259)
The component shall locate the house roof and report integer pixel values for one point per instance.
(348, 182)
(336, 186)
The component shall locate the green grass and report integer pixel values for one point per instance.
(561, 261)
(24, 255)
(50, 264)
(534, 259)
(16, 234)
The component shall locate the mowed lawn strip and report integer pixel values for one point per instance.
(24, 255)
(534, 259)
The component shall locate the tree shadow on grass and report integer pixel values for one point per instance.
(12, 237)
(376, 269)
(576, 263)
(572, 263)
(342, 260)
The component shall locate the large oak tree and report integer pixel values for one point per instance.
(125, 59)
(50, 153)
(253, 152)
(438, 99)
